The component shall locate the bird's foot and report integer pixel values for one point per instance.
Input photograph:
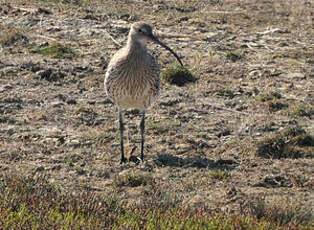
(132, 112)
(136, 160)
(123, 160)
(133, 158)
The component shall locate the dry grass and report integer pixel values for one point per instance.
(301, 110)
(219, 175)
(9, 35)
(282, 212)
(269, 96)
(242, 129)
(292, 142)
(134, 179)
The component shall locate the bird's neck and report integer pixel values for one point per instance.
(136, 47)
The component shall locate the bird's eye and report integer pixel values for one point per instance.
(140, 30)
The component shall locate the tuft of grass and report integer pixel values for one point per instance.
(159, 127)
(85, 115)
(10, 34)
(82, 110)
(276, 105)
(97, 138)
(178, 75)
(235, 55)
(301, 110)
(291, 142)
(221, 175)
(133, 179)
(283, 212)
(80, 171)
(70, 162)
(268, 96)
(55, 50)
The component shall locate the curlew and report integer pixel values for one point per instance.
(132, 79)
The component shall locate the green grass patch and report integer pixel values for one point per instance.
(70, 162)
(178, 75)
(269, 96)
(54, 50)
(221, 175)
(291, 142)
(28, 203)
(33, 203)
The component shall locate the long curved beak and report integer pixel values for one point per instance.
(156, 40)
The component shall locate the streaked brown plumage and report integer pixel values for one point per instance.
(132, 79)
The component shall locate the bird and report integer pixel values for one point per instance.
(132, 78)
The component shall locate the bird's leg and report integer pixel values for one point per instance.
(142, 126)
(123, 159)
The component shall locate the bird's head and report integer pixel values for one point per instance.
(143, 32)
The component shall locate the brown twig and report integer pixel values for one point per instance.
(114, 40)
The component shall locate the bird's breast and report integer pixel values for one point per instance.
(132, 81)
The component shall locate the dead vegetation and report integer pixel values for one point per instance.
(301, 110)
(133, 179)
(10, 35)
(243, 128)
(282, 212)
(291, 142)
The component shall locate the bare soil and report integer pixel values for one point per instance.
(201, 138)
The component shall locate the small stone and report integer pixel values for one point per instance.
(73, 143)
(183, 148)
